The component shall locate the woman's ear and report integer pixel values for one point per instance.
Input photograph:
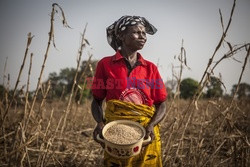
(121, 37)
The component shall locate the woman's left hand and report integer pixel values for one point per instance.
(149, 132)
(157, 117)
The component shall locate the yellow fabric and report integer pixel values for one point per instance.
(150, 155)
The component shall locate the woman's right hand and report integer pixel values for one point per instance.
(98, 131)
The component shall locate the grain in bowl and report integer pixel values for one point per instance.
(123, 134)
(123, 138)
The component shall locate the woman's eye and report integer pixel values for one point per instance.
(139, 32)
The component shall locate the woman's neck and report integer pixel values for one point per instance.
(130, 55)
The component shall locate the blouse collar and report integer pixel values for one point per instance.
(118, 57)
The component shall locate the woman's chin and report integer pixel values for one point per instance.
(140, 47)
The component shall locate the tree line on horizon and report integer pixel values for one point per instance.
(214, 89)
(61, 85)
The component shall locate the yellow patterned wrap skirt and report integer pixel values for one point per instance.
(150, 155)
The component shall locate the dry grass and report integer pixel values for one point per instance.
(208, 141)
(42, 139)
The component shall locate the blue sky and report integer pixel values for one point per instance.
(197, 22)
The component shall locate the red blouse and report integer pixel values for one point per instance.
(141, 85)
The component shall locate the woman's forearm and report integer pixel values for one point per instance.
(97, 112)
(160, 111)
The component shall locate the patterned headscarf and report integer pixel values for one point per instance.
(120, 25)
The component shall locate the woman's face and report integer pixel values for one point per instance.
(134, 37)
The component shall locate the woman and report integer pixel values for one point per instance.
(132, 87)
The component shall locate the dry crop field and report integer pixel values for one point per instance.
(212, 138)
(58, 132)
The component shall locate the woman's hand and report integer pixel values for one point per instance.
(149, 132)
(96, 109)
(98, 131)
(157, 117)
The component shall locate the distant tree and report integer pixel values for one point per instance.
(214, 88)
(243, 91)
(57, 86)
(61, 84)
(88, 68)
(2, 92)
(2, 89)
(66, 77)
(188, 87)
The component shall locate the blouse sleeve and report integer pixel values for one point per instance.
(159, 93)
(98, 85)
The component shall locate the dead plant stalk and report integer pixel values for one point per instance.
(51, 38)
(82, 45)
(18, 78)
(203, 81)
